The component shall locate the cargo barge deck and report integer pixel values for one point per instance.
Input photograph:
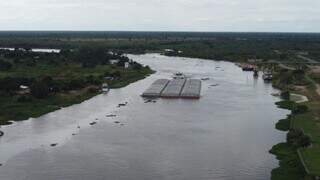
(175, 88)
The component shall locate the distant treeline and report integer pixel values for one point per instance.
(154, 34)
(208, 45)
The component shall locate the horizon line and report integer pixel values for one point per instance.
(169, 31)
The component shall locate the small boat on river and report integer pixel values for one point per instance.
(267, 76)
(105, 88)
(179, 75)
(255, 73)
(248, 68)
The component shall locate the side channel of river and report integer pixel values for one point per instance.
(224, 135)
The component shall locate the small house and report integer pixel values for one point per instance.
(23, 90)
(114, 61)
(126, 65)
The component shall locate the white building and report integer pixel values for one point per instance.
(126, 65)
(114, 61)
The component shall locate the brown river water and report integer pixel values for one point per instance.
(224, 135)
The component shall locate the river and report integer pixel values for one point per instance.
(224, 135)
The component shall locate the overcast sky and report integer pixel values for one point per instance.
(161, 15)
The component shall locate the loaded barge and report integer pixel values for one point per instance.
(156, 88)
(175, 88)
(192, 89)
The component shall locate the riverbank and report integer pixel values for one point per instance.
(36, 83)
(299, 155)
(290, 166)
(13, 109)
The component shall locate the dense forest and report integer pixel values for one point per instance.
(219, 46)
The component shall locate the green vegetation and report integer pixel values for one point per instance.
(13, 108)
(75, 74)
(309, 122)
(286, 104)
(290, 165)
(315, 77)
(283, 124)
(219, 46)
(38, 83)
(298, 158)
(284, 78)
(285, 95)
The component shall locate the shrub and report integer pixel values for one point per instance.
(107, 73)
(4, 65)
(93, 80)
(76, 84)
(290, 105)
(299, 109)
(297, 138)
(93, 90)
(116, 74)
(304, 141)
(298, 71)
(285, 95)
(285, 78)
(24, 98)
(9, 84)
(283, 124)
(121, 63)
(88, 65)
(136, 66)
(47, 80)
(39, 89)
(293, 135)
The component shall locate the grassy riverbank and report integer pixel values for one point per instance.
(290, 166)
(58, 80)
(11, 108)
(309, 123)
(298, 161)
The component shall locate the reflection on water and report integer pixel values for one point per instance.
(224, 135)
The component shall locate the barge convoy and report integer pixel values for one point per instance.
(156, 88)
(175, 88)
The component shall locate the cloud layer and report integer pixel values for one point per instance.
(161, 15)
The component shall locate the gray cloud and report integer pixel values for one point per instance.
(163, 15)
